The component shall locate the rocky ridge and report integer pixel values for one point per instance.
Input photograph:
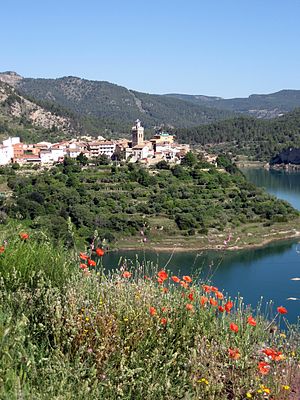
(17, 106)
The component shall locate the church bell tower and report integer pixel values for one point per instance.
(137, 133)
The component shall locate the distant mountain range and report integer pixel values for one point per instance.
(257, 105)
(51, 109)
(100, 105)
(19, 116)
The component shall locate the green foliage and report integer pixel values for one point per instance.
(259, 139)
(82, 159)
(262, 105)
(189, 159)
(113, 107)
(65, 334)
(119, 201)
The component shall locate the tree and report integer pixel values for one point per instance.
(82, 159)
(162, 165)
(189, 159)
(102, 159)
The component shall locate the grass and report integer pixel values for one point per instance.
(243, 236)
(68, 333)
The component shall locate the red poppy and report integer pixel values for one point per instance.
(219, 295)
(187, 278)
(251, 321)
(82, 266)
(191, 296)
(206, 288)
(234, 354)
(160, 281)
(83, 256)
(213, 302)
(203, 300)
(175, 279)
(263, 368)
(152, 311)
(91, 263)
(234, 327)
(221, 309)
(184, 284)
(214, 289)
(278, 356)
(164, 309)
(162, 275)
(163, 321)
(2, 249)
(275, 355)
(126, 274)
(165, 290)
(282, 310)
(99, 252)
(24, 235)
(228, 306)
(189, 307)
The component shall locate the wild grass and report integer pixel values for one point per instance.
(68, 333)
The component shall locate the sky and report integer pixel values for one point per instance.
(227, 48)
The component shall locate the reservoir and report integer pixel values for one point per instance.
(260, 276)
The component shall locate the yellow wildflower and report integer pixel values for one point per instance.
(87, 319)
(286, 387)
(249, 395)
(203, 380)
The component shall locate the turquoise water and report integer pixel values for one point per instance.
(265, 272)
(284, 185)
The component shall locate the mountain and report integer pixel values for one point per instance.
(256, 138)
(195, 99)
(257, 105)
(22, 117)
(95, 107)
(103, 104)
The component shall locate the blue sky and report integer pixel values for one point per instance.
(228, 48)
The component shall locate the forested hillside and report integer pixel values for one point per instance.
(259, 139)
(185, 200)
(257, 105)
(116, 104)
(30, 121)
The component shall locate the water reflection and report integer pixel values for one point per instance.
(254, 273)
(282, 184)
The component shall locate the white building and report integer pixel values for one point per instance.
(5, 155)
(105, 147)
(46, 156)
(57, 154)
(140, 152)
(7, 150)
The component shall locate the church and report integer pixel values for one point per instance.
(160, 147)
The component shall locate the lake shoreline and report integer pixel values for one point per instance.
(188, 247)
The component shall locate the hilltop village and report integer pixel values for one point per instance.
(161, 146)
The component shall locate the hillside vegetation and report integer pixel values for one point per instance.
(110, 102)
(259, 139)
(69, 330)
(257, 105)
(21, 117)
(193, 199)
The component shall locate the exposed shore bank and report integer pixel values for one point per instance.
(252, 237)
